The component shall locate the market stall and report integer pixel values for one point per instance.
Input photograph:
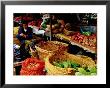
(77, 41)
(59, 45)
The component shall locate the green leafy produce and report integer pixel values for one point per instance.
(75, 65)
(79, 70)
(78, 74)
(82, 70)
(62, 65)
(66, 64)
(86, 71)
(93, 69)
(86, 33)
(69, 64)
(93, 74)
(58, 64)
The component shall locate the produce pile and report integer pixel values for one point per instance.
(51, 46)
(56, 57)
(86, 71)
(32, 66)
(78, 69)
(66, 64)
(69, 64)
(84, 40)
(47, 46)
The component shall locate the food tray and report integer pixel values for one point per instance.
(54, 70)
(50, 47)
(73, 42)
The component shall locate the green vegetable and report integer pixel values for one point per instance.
(69, 64)
(79, 70)
(93, 73)
(66, 65)
(61, 65)
(86, 33)
(56, 64)
(87, 71)
(78, 74)
(82, 70)
(75, 65)
(92, 69)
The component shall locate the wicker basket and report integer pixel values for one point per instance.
(54, 70)
(44, 52)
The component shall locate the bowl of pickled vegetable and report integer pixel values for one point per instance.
(68, 64)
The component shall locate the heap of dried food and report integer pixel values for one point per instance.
(47, 46)
(51, 45)
(84, 40)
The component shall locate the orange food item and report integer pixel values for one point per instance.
(32, 66)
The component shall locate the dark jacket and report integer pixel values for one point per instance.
(28, 32)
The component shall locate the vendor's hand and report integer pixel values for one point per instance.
(31, 50)
(24, 35)
(21, 34)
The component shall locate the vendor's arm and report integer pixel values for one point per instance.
(20, 32)
(29, 35)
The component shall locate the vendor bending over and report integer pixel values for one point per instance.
(24, 33)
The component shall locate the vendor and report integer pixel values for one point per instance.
(67, 30)
(24, 33)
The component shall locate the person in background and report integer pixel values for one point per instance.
(67, 30)
(24, 33)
